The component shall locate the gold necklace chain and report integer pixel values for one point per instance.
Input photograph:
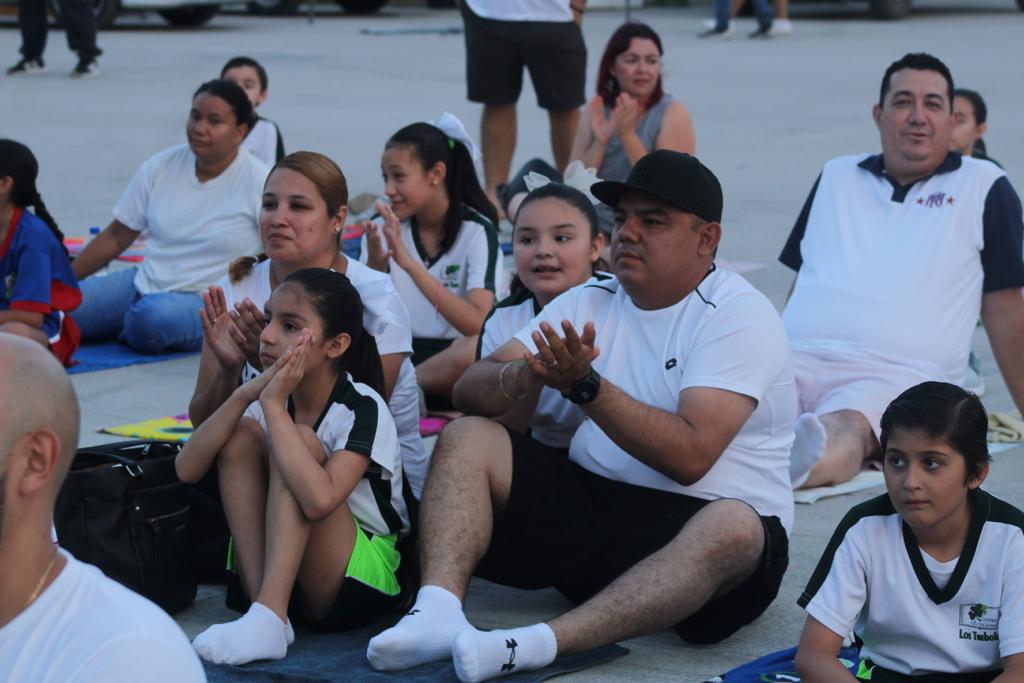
(42, 580)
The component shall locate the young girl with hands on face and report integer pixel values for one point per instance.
(311, 474)
(439, 241)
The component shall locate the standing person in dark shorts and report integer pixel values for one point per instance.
(503, 36)
(80, 25)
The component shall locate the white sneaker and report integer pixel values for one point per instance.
(730, 29)
(780, 27)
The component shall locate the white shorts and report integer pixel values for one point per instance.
(827, 385)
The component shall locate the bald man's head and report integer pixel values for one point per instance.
(35, 394)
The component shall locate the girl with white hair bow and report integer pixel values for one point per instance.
(438, 239)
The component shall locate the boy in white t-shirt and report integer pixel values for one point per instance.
(264, 140)
(61, 619)
(930, 577)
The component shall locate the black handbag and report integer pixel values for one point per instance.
(123, 509)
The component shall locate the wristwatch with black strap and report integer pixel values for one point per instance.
(584, 390)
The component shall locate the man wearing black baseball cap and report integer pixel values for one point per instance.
(672, 506)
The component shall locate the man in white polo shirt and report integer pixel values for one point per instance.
(61, 619)
(896, 255)
(503, 37)
(672, 505)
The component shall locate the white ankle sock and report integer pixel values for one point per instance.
(808, 447)
(481, 655)
(259, 634)
(424, 634)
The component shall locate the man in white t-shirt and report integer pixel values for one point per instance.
(61, 619)
(896, 256)
(672, 505)
(502, 37)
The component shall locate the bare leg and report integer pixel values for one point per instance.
(439, 373)
(27, 331)
(716, 551)
(467, 489)
(287, 534)
(242, 471)
(851, 442)
(498, 138)
(328, 549)
(563, 130)
(782, 9)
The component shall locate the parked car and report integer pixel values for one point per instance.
(277, 7)
(175, 12)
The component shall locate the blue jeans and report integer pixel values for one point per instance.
(762, 10)
(153, 323)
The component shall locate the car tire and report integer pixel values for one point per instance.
(190, 16)
(362, 6)
(106, 11)
(273, 8)
(892, 9)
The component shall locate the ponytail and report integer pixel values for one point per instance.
(431, 145)
(240, 268)
(18, 163)
(340, 309)
(42, 212)
(362, 361)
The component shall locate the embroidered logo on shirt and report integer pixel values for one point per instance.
(671, 363)
(936, 200)
(976, 618)
(451, 275)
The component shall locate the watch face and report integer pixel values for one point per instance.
(585, 390)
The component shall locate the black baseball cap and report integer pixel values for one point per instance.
(676, 177)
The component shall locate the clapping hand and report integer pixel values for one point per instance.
(392, 232)
(377, 251)
(289, 372)
(602, 127)
(219, 332)
(249, 321)
(626, 113)
(560, 363)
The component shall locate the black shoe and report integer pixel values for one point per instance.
(87, 68)
(27, 67)
(762, 32)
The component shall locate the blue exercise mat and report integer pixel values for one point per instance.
(336, 657)
(109, 355)
(779, 667)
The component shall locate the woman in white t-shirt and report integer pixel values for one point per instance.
(197, 204)
(556, 245)
(439, 242)
(304, 209)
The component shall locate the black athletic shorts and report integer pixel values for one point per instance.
(497, 51)
(568, 528)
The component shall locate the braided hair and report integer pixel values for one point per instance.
(18, 163)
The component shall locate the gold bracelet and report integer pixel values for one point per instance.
(501, 383)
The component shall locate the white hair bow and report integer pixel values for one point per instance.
(451, 126)
(577, 176)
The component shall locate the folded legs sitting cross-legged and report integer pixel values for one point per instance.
(671, 506)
